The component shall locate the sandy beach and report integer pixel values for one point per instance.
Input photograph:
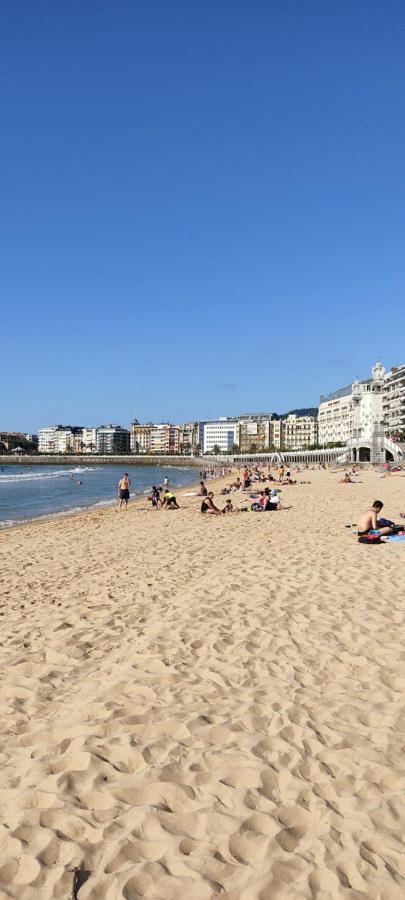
(195, 707)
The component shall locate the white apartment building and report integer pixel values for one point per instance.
(89, 439)
(222, 433)
(352, 412)
(335, 416)
(394, 401)
(66, 439)
(55, 439)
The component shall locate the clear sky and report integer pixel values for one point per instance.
(202, 205)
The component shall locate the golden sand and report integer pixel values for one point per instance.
(195, 707)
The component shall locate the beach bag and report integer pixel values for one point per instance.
(370, 539)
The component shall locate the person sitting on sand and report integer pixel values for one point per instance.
(237, 485)
(272, 500)
(208, 506)
(346, 479)
(203, 489)
(228, 508)
(370, 524)
(124, 485)
(170, 501)
(260, 502)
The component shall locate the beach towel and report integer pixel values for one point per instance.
(396, 537)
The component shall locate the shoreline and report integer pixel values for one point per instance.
(95, 508)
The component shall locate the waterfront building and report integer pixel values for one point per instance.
(88, 440)
(188, 438)
(56, 438)
(164, 438)
(140, 436)
(335, 416)
(222, 433)
(112, 439)
(299, 432)
(393, 401)
(351, 412)
(254, 434)
(355, 417)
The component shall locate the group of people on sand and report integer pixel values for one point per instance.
(161, 497)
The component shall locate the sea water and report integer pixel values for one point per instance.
(31, 492)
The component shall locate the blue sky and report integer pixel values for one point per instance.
(202, 205)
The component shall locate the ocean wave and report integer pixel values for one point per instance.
(8, 478)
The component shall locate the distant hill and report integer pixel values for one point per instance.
(306, 411)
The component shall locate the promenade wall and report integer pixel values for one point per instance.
(84, 459)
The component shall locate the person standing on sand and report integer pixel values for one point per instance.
(124, 485)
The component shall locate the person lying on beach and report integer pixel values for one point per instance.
(370, 524)
(228, 508)
(208, 506)
(170, 501)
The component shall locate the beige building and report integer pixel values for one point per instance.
(188, 438)
(254, 435)
(299, 432)
(265, 433)
(163, 438)
(140, 436)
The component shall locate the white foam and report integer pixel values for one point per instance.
(8, 478)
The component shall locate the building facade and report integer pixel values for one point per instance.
(393, 401)
(220, 433)
(163, 438)
(112, 439)
(254, 434)
(359, 416)
(56, 439)
(335, 416)
(89, 440)
(299, 432)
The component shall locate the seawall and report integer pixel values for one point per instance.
(43, 459)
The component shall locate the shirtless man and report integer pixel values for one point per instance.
(123, 490)
(368, 522)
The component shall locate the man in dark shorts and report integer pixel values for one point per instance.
(369, 524)
(124, 485)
